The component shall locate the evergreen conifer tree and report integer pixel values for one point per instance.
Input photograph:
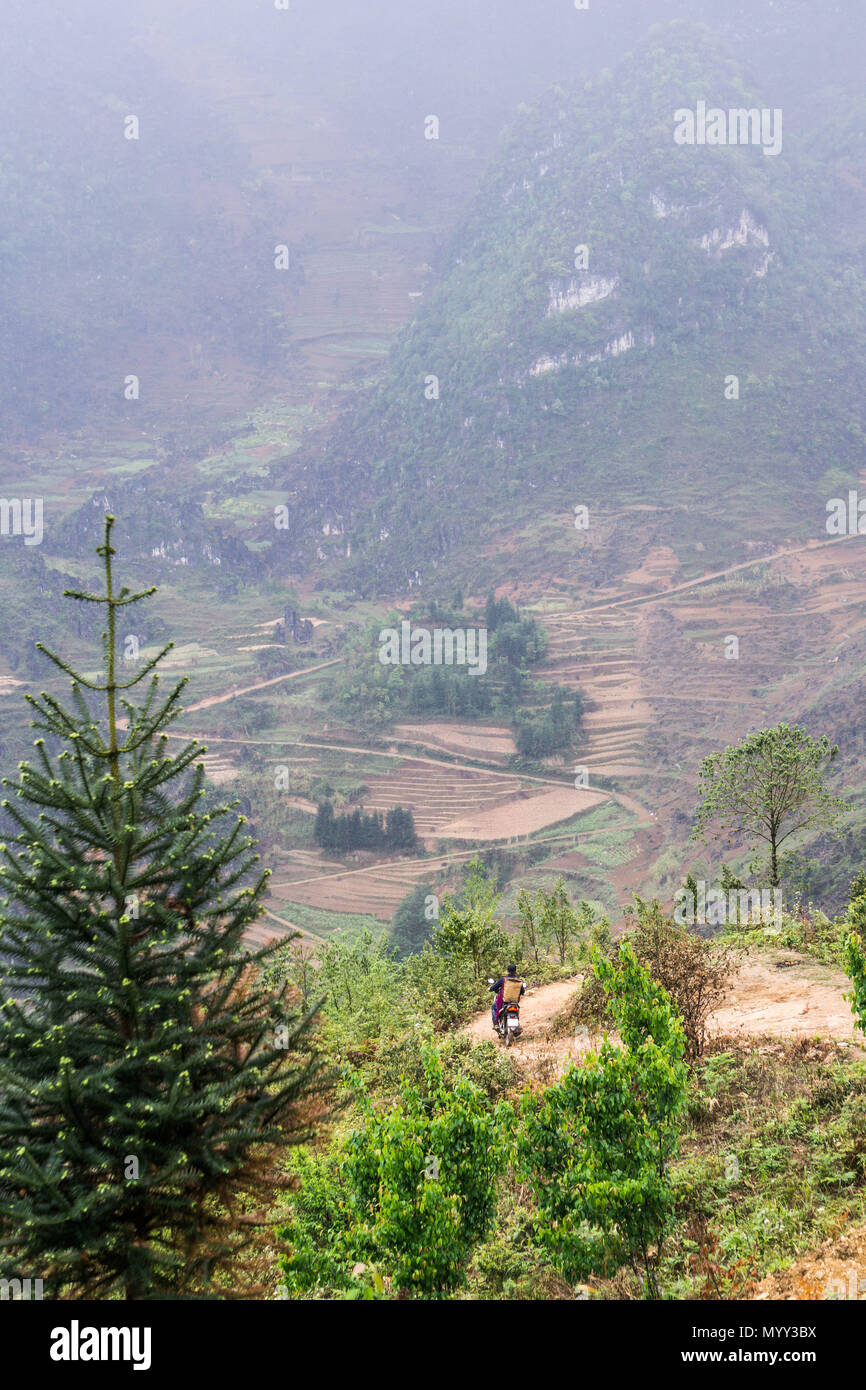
(148, 1079)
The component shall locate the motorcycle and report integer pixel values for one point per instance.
(507, 1025)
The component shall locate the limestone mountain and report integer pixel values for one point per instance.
(620, 318)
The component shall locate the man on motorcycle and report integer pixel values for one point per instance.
(508, 990)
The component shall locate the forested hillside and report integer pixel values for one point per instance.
(432, 660)
(594, 306)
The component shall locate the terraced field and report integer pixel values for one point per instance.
(599, 655)
(708, 661)
(461, 803)
(664, 685)
(671, 669)
(308, 877)
(219, 769)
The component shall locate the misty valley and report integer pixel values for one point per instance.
(432, 653)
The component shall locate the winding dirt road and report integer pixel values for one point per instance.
(706, 578)
(774, 994)
(260, 685)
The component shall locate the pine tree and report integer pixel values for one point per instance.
(148, 1079)
(400, 830)
(323, 830)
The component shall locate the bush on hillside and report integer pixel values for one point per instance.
(693, 972)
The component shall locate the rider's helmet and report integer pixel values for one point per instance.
(512, 969)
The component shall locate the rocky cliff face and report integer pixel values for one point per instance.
(606, 289)
(171, 530)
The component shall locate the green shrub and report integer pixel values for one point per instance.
(855, 962)
(596, 1146)
(410, 1192)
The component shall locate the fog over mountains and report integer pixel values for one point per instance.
(384, 304)
(432, 661)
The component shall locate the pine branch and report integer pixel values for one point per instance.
(133, 1019)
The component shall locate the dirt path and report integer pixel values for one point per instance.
(261, 932)
(782, 994)
(537, 1009)
(773, 994)
(836, 1270)
(546, 1056)
(705, 579)
(436, 861)
(261, 685)
(456, 763)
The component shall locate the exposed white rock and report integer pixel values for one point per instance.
(624, 343)
(612, 349)
(548, 364)
(663, 209)
(577, 293)
(747, 231)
